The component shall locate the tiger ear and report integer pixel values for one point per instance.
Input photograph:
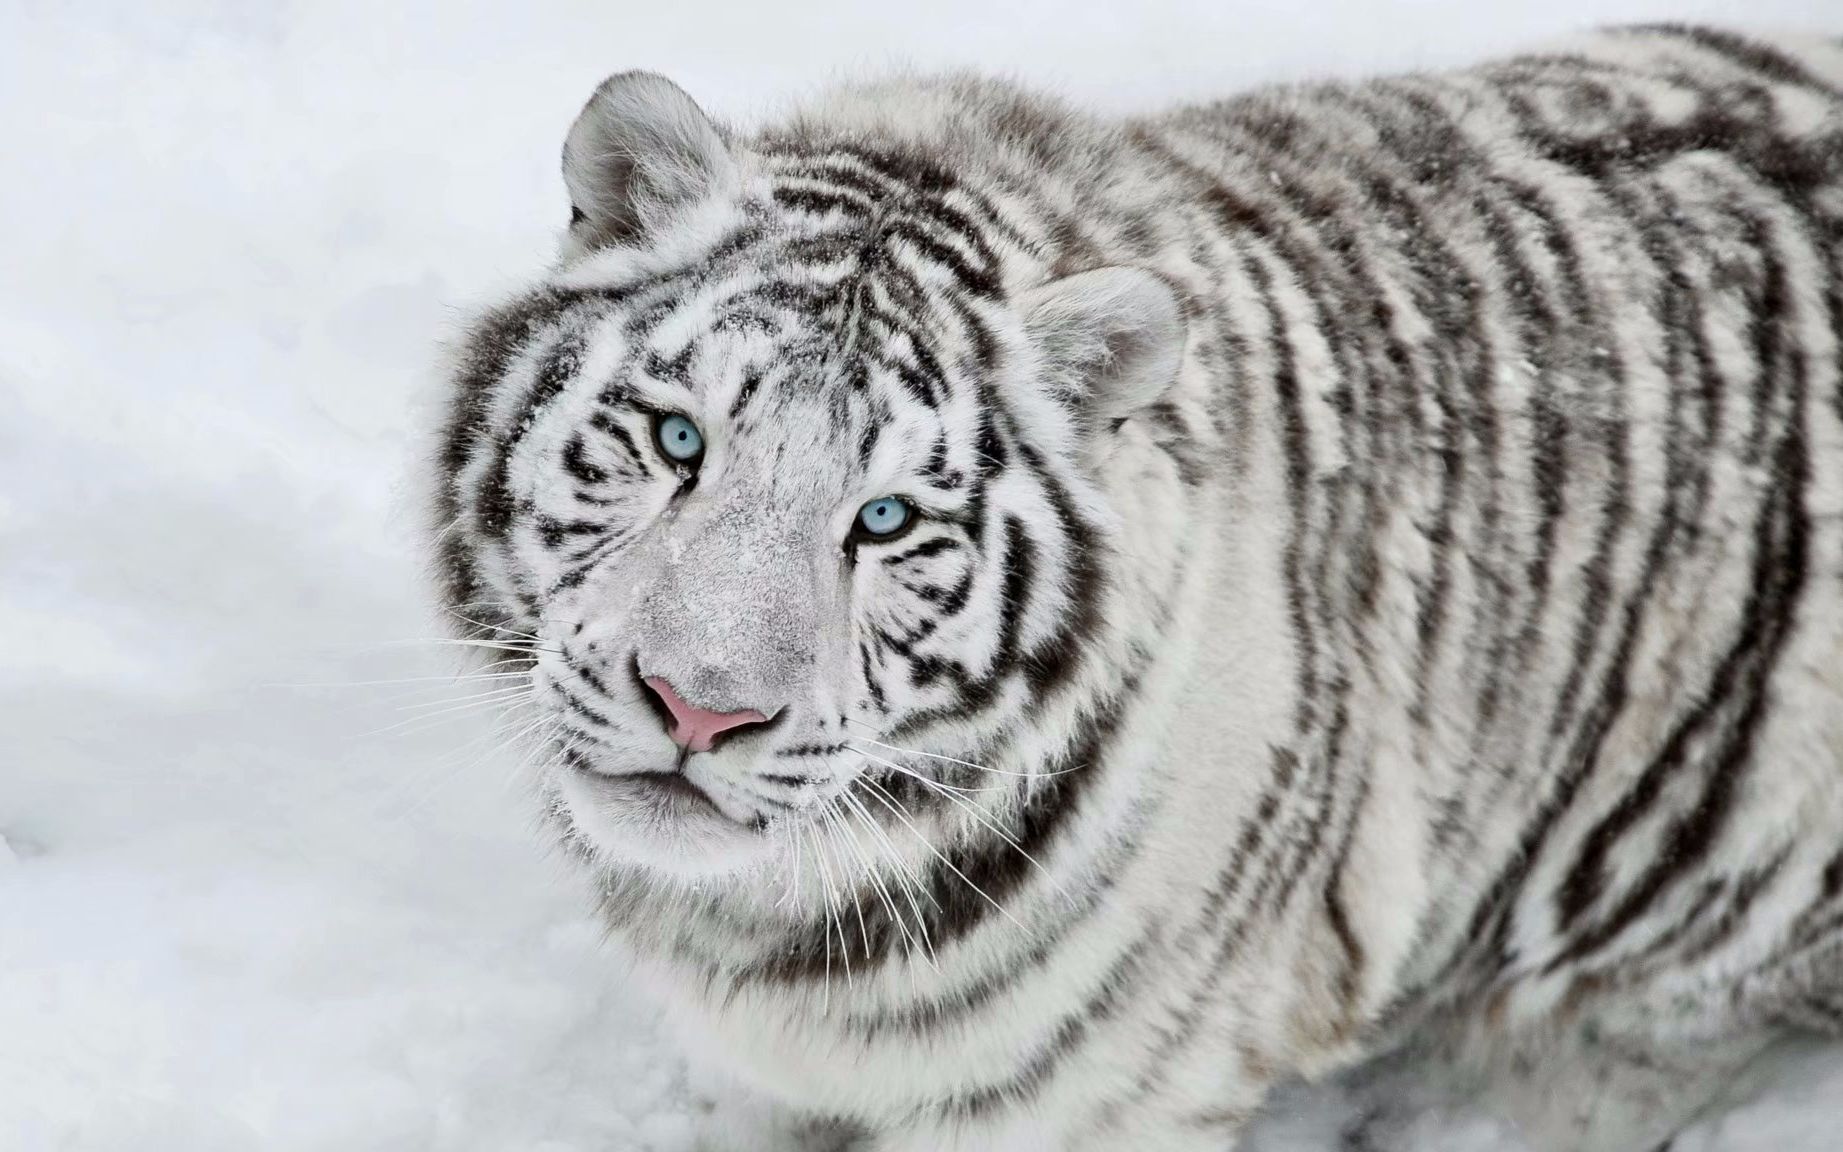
(1111, 339)
(641, 153)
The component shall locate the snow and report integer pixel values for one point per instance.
(234, 914)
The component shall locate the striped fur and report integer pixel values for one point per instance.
(1410, 603)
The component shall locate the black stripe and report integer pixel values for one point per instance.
(751, 381)
(605, 423)
(1051, 663)
(1584, 882)
(576, 704)
(577, 463)
(494, 506)
(1757, 57)
(1066, 1038)
(950, 899)
(1729, 716)
(933, 546)
(1745, 891)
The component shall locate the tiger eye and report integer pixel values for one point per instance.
(884, 516)
(679, 439)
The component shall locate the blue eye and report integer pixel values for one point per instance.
(884, 516)
(679, 439)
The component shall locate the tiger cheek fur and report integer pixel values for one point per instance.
(1048, 626)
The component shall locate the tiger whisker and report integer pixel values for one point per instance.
(844, 946)
(876, 882)
(529, 729)
(984, 818)
(494, 627)
(433, 709)
(428, 781)
(909, 875)
(956, 760)
(830, 814)
(513, 645)
(541, 770)
(563, 749)
(512, 724)
(437, 693)
(407, 725)
(908, 871)
(507, 660)
(543, 732)
(959, 788)
(464, 677)
(811, 829)
(905, 878)
(501, 692)
(790, 896)
(889, 802)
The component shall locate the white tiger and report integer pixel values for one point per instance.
(1046, 627)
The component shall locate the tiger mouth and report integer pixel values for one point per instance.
(669, 794)
(674, 788)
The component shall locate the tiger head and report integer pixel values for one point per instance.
(786, 485)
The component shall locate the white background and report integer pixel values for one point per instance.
(233, 914)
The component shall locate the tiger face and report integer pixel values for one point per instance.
(785, 478)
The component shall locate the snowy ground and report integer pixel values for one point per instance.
(234, 914)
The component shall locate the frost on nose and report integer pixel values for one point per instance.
(730, 624)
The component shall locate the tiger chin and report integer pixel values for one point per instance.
(1042, 628)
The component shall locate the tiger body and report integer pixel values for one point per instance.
(1449, 634)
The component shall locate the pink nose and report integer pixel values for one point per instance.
(694, 728)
